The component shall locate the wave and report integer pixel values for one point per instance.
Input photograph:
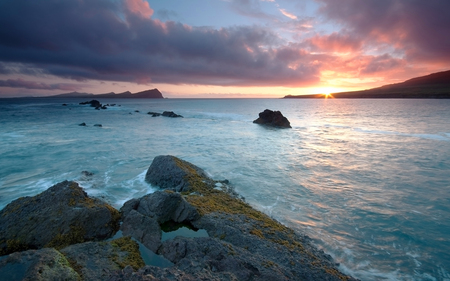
(438, 137)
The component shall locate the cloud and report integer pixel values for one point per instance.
(251, 8)
(418, 29)
(119, 41)
(335, 42)
(287, 14)
(139, 7)
(20, 83)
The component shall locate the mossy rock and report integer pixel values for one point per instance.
(62, 215)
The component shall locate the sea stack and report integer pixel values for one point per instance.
(273, 119)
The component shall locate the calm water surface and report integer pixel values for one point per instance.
(368, 180)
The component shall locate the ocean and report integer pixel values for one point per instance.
(368, 180)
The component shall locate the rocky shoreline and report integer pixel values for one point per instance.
(63, 234)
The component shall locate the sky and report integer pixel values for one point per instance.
(218, 48)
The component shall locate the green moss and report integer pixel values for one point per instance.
(76, 267)
(257, 232)
(133, 257)
(14, 245)
(74, 236)
(268, 264)
(206, 199)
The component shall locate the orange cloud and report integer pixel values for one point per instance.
(139, 7)
(335, 42)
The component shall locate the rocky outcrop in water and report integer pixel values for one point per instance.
(242, 243)
(165, 114)
(170, 114)
(60, 216)
(169, 172)
(273, 119)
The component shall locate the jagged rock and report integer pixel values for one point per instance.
(60, 216)
(273, 118)
(143, 228)
(162, 206)
(45, 264)
(97, 260)
(142, 217)
(170, 114)
(170, 172)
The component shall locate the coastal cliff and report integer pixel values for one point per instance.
(147, 94)
(432, 86)
(241, 242)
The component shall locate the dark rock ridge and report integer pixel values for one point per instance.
(273, 119)
(243, 243)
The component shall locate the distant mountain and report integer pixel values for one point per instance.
(148, 94)
(73, 95)
(433, 86)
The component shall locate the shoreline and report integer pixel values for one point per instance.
(242, 242)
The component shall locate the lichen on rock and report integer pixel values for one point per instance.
(62, 215)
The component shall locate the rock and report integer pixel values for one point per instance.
(87, 173)
(170, 172)
(143, 228)
(154, 114)
(60, 216)
(136, 111)
(82, 124)
(154, 273)
(64, 104)
(162, 206)
(142, 217)
(93, 103)
(96, 260)
(170, 114)
(272, 118)
(97, 125)
(103, 107)
(45, 264)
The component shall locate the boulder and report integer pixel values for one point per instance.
(142, 217)
(170, 172)
(96, 260)
(273, 119)
(45, 264)
(82, 124)
(143, 228)
(170, 114)
(62, 215)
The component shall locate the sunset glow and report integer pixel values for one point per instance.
(254, 48)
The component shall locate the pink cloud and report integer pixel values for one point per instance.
(335, 42)
(139, 7)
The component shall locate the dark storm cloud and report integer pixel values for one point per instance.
(417, 28)
(20, 83)
(118, 41)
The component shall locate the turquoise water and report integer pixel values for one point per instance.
(368, 180)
